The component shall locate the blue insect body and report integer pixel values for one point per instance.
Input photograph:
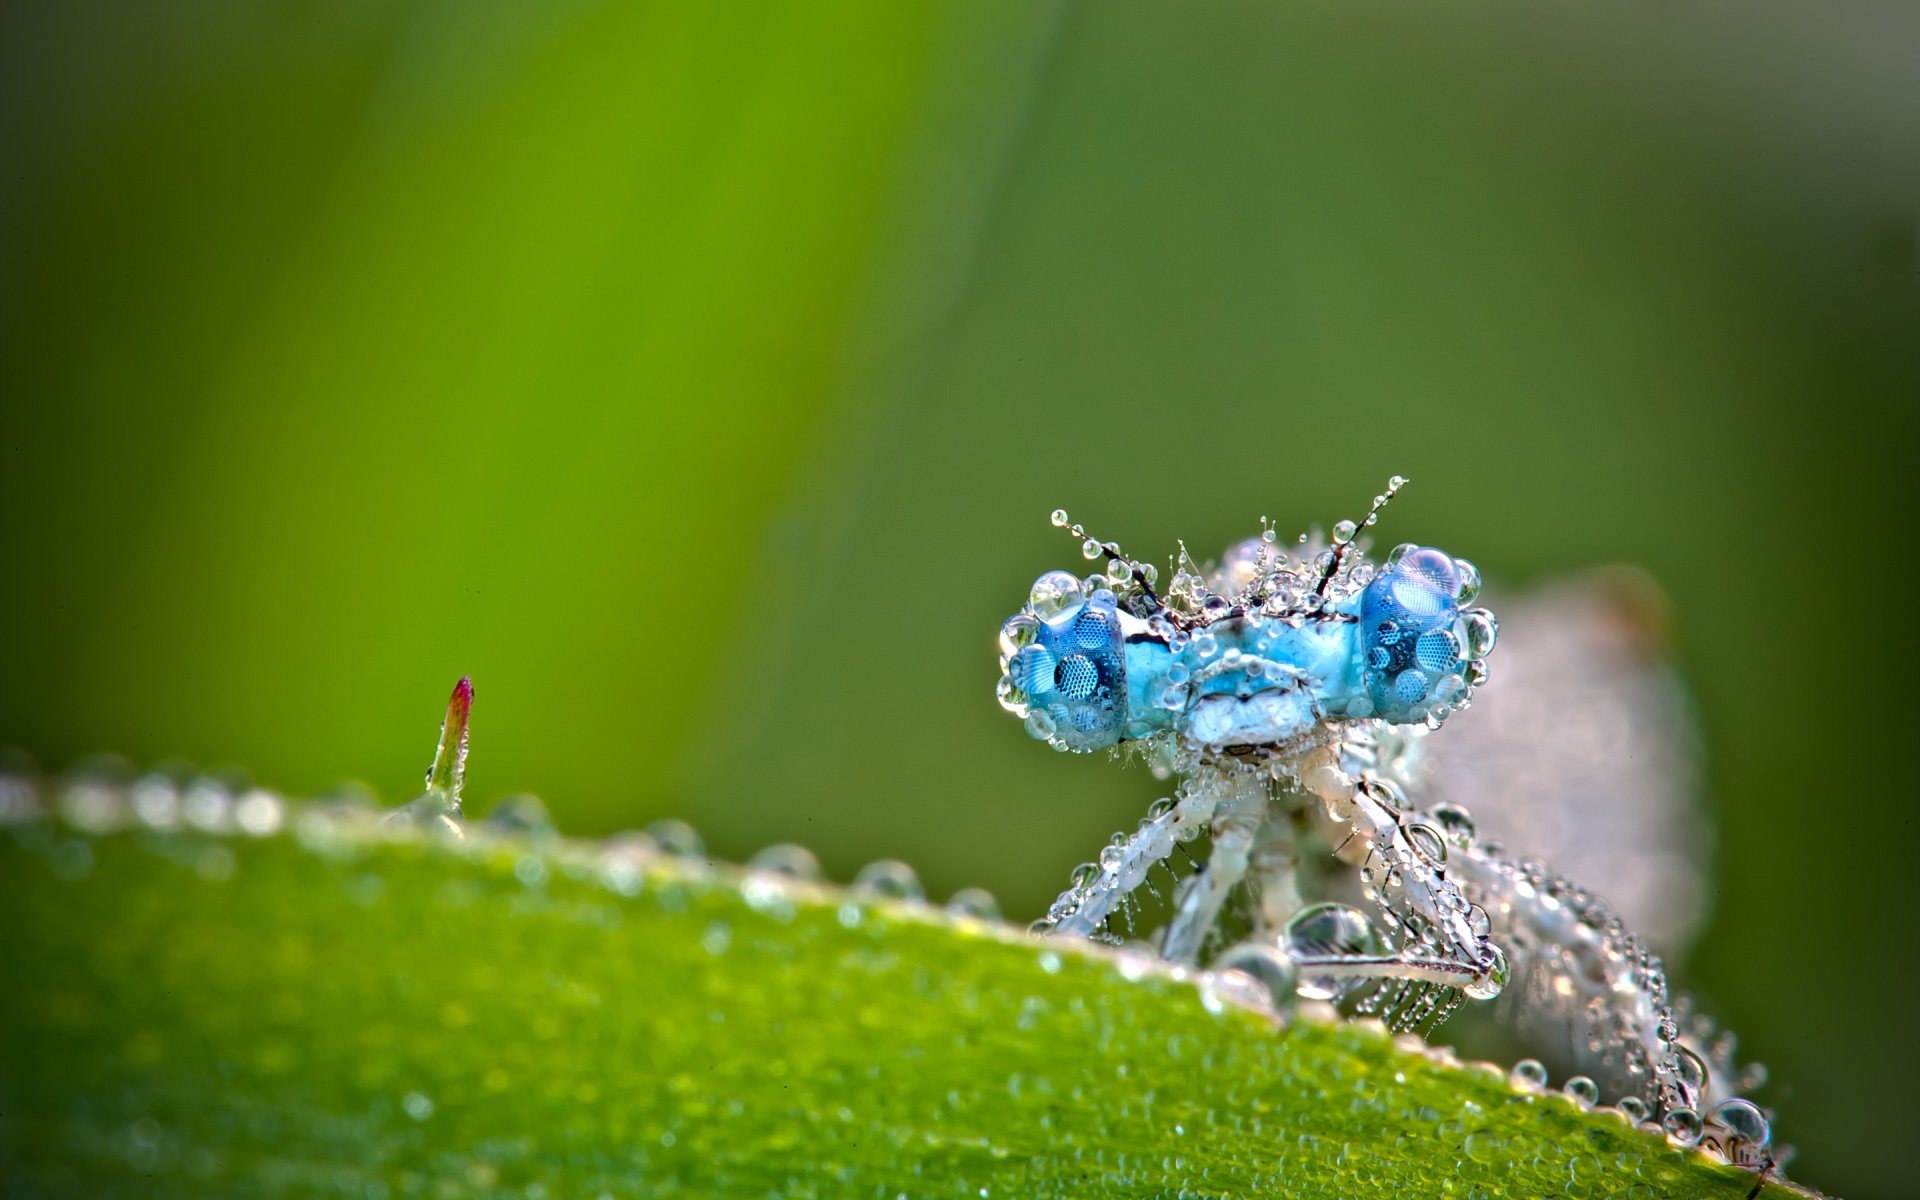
(1287, 692)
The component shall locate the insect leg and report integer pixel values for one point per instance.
(1098, 889)
(1272, 873)
(1405, 866)
(1197, 904)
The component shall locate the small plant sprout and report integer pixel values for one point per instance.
(438, 808)
(1287, 689)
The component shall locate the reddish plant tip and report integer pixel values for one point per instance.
(462, 694)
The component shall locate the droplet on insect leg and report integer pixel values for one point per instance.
(1327, 930)
(1266, 966)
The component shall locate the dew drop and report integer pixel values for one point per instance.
(1060, 518)
(1467, 589)
(785, 858)
(1454, 823)
(1482, 629)
(156, 801)
(260, 813)
(1581, 1089)
(522, 813)
(889, 878)
(1428, 841)
(1327, 930)
(677, 838)
(1691, 1071)
(1272, 970)
(1019, 630)
(1054, 593)
(1682, 1125)
(1744, 1120)
(1528, 1073)
(208, 807)
(1343, 531)
(977, 903)
(1483, 1145)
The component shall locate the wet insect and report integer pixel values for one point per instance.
(1288, 689)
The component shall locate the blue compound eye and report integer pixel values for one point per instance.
(1076, 677)
(1409, 629)
(1075, 674)
(1437, 651)
(1423, 581)
(1032, 670)
(1091, 630)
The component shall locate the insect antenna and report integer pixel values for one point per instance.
(1095, 548)
(1341, 545)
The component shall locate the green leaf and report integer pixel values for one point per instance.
(335, 1005)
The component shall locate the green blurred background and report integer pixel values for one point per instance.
(699, 379)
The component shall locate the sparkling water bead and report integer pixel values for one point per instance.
(1530, 1072)
(889, 878)
(1010, 696)
(1482, 630)
(1468, 589)
(794, 862)
(1428, 841)
(1454, 823)
(1682, 1125)
(1581, 1089)
(521, 813)
(1494, 980)
(1744, 1120)
(1054, 593)
(976, 903)
(1692, 1074)
(1328, 931)
(677, 838)
(1265, 965)
(1018, 631)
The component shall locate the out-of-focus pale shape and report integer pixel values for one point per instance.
(1587, 755)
